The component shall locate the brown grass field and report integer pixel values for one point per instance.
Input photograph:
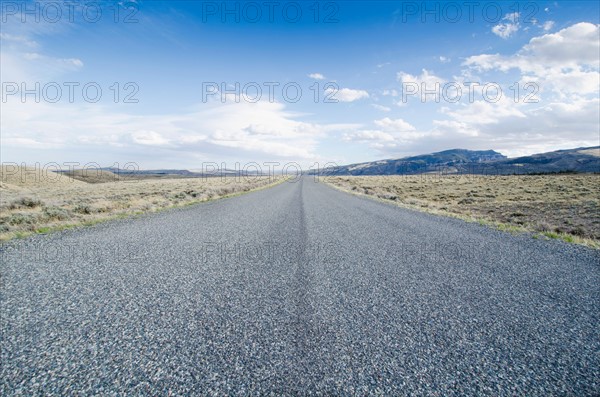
(32, 201)
(554, 206)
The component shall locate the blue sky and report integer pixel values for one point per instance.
(366, 53)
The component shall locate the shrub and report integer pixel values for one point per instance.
(578, 231)
(388, 196)
(225, 191)
(83, 209)
(21, 219)
(25, 202)
(544, 226)
(56, 213)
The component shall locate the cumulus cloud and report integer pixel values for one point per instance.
(513, 129)
(483, 112)
(369, 135)
(347, 94)
(151, 138)
(396, 125)
(571, 46)
(548, 25)
(505, 30)
(316, 76)
(241, 130)
(530, 130)
(568, 48)
(413, 85)
(509, 27)
(381, 107)
(565, 62)
(427, 78)
(388, 136)
(216, 130)
(564, 66)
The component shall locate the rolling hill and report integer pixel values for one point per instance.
(462, 161)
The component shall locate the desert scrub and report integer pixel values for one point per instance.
(83, 209)
(563, 205)
(31, 206)
(22, 219)
(25, 202)
(56, 213)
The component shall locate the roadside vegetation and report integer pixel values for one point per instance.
(35, 202)
(551, 206)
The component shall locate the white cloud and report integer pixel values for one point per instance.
(569, 82)
(565, 62)
(418, 86)
(240, 130)
(548, 25)
(390, 135)
(397, 125)
(369, 135)
(565, 67)
(316, 76)
(505, 30)
(512, 129)
(508, 28)
(66, 63)
(11, 39)
(22, 58)
(566, 117)
(484, 112)
(213, 131)
(151, 138)
(381, 107)
(427, 78)
(512, 17)
(34, 66)
(534, 130)
(576, 44)
(568, 48)
(347, 94)
(444, 59)
(453, 127)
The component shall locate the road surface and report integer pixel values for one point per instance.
(298, 289)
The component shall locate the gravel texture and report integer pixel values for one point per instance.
(297, 290)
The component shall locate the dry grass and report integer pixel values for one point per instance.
(36, 202)
(558, 206)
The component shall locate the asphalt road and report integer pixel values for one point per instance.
(299, 289)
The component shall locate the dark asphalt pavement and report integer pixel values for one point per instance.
(295, 290)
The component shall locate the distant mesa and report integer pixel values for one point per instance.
(447, 162)
(482, 162)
